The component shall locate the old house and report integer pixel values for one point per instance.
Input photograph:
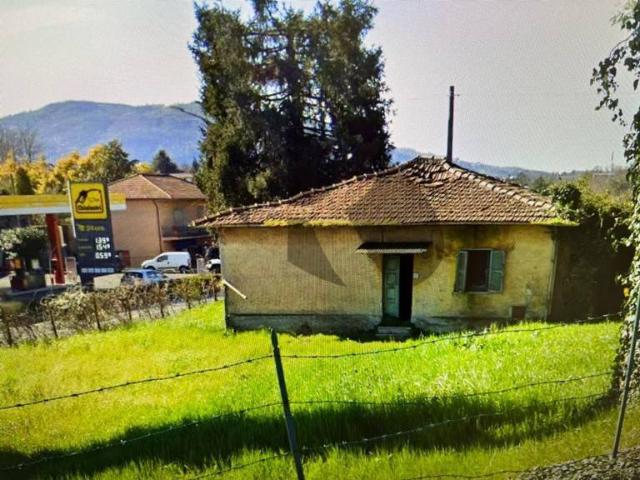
(160, 209)
(427, 243)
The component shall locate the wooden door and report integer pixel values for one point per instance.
(391, 285)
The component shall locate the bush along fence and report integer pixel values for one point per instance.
(79, 310)
(482, 419)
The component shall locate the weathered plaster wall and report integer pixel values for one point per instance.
(310, 272)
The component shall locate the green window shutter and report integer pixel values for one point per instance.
(461, 271)
(496, 271)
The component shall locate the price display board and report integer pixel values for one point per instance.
(92, 228)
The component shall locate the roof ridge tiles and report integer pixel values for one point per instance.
(422, 171)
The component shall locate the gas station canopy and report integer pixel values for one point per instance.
(43, 204)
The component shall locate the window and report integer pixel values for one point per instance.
(480, 270)
(162, 258)
(179, 217)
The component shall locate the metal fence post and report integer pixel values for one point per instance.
(627, 380)
(288, 418)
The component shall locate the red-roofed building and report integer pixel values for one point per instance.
(160, 209)
(427, 243)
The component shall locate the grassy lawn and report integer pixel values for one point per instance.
(530, 428)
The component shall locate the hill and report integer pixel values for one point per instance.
(77, 125)
(401, 155)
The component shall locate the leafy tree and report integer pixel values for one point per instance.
(8, 170)
(163, 164)
(72, 167)
(39, 172)
(112, 162)
(294, 101)
(23, 182)
(607, 76)
(593, 255)
(103, 163)
(143, 167)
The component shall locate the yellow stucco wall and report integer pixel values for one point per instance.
(304, 270)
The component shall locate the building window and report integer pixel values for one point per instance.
(480, 270)
(179, 218)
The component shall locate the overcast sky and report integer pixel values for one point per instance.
(521, 68)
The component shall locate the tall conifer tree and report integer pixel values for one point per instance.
(296, 101)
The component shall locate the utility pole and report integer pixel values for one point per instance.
(450, 130)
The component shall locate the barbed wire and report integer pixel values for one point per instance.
(421, 428)
(454, 395)
(241, 466)
(134, 382)
(505, 472)
(126, 441)
(437, 340)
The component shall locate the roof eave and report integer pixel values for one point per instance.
(325, 224)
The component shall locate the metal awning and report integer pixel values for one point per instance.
(393, 247)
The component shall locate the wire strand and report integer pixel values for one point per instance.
(241, 466)
(505, 472)
(126, 441)
(421, 428)
(133, 382)
(454, 395)
(434, 340)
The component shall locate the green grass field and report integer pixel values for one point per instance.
(529, 426)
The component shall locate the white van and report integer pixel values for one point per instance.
(180, 261)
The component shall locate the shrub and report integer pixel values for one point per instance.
(80, 310)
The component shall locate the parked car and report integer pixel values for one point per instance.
(142, 276)
(180, 261)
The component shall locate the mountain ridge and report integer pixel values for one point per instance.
(67, 126)
(63, 127)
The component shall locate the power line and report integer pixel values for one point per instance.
(134, 382)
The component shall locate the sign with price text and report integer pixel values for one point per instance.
(89, 203)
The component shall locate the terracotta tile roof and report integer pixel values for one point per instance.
(156, 187)
(422, 191)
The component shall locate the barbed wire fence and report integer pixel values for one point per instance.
(299, 453)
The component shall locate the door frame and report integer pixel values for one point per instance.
(404, 286)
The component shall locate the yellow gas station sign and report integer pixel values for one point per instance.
(88, 201)
(43, 204)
